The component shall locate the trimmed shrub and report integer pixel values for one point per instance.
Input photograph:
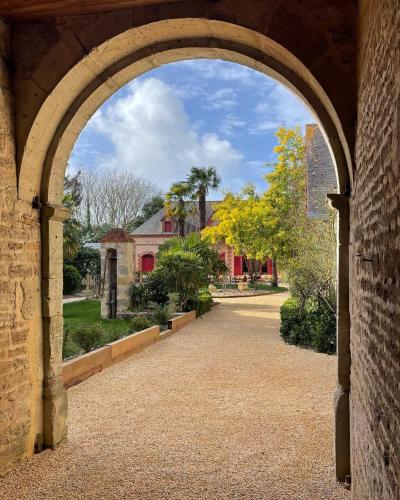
(291, 321)
(140, 323)
(321, 322)
(88, 336)
(72, 279)
(313, 326)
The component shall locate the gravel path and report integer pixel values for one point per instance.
(221, 410)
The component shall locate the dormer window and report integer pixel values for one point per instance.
(167, 226)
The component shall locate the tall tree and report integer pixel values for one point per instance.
(176, 204)
(114, 199)
(150, 208)
(243, 223)
(72, 227)
(201, 180)
(285, 198)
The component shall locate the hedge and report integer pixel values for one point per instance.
(313, 326)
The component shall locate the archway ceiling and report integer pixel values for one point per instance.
(30, 9)
(330, 10)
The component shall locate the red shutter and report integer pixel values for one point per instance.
(237, 265)
(147, 263)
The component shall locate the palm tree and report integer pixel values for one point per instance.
(176, 204)
(200, 180)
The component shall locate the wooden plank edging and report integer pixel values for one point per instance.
(81, 368)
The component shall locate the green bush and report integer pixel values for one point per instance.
(184, 273)
(139, 294)
(161, 314)
(202, 303)
(87, 261)
(72, 279)
(153, 289)
(156, 285)
(140, 323)
(202, 247)
(313, 326)
(69, 348)
(113, 335)
(321, 326)
(88, 336)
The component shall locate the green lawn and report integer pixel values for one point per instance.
(87, 312)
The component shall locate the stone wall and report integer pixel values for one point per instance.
(321, 176)
(20, 301)
(123, 243)
(375, 218)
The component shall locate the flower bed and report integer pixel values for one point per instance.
(82, 367)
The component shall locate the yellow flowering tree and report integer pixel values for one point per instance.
(242, 223)
(268, 225)
(285, 199)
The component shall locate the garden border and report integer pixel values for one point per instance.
(83, 367)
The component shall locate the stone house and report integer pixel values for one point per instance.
(125, 257)
(152, 233)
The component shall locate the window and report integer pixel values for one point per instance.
(167, 226)
(147, 263)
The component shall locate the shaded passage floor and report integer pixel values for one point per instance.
(222, 409)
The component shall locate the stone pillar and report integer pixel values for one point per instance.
(342, 394)
(54, 395)
(123, 243)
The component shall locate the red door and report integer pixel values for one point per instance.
(269, 266)
(147, 263)
(237, 265)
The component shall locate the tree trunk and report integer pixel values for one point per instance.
(181, 227)
(181, 219)
(274, 281)
(202, 211)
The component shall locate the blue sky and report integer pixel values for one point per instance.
(197, 112)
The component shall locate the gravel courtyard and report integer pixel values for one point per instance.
(221, 410)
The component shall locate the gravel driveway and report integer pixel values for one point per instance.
(221, 410)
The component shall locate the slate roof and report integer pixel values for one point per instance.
(153, 226)
(93, 246)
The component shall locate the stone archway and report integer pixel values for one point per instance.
(78, 94)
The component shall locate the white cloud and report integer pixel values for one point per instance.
(152, 136)
(223, 70)
(221, 99)
(280, 107)
(232, 124)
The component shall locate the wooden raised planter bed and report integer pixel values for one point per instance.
(78, 369)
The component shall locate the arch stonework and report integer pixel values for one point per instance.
(138, 50)
(78, 62)
(97, 75)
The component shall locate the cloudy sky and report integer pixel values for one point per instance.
(200, 112)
